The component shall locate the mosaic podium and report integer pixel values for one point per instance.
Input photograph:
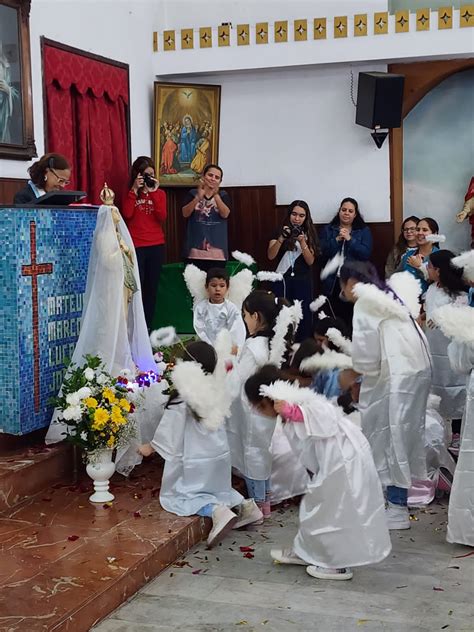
(43, 269)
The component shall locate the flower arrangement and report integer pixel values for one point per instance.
(96, 407)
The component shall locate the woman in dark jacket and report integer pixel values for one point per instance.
(347, 233)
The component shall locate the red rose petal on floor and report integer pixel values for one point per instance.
(249, 555)
(246, 549)
(72, 538)
(438, 588)
(137, 514)
(197, 571)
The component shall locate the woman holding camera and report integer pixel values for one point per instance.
(144, 210)
(296, 247)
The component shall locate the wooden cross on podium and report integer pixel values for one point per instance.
(34, 269)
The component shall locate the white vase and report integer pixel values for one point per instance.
(100, 468)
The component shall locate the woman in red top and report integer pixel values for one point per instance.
(144, 210)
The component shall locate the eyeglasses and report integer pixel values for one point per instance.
(60, 180)
(409, 230)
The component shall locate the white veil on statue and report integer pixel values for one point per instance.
(120, 340)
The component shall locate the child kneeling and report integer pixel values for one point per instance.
(342, 515)
(192, 440)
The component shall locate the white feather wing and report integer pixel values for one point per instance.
(195, 280)
(240, 286)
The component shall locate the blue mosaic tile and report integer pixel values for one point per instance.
(63, 240)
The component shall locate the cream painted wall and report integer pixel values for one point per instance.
(295, 128)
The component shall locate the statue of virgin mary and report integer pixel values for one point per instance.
(113, 323)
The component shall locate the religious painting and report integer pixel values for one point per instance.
(186, 131)
(16, 108)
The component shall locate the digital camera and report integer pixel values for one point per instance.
(149, 180)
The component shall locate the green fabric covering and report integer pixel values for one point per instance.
(174, 305)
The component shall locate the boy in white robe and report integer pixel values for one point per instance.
(215, 312)
(342, 515)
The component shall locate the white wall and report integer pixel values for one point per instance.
(295, 128)
(113, 28)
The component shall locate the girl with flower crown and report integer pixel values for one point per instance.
(192, 440)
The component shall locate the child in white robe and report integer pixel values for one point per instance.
(249, 433)
(342, 515)
(392, 354)
(216, 312)
(192, 440)
(457, 322)
(447, 287)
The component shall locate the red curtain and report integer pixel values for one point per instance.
(87, 119)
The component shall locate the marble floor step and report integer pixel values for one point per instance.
(66, 563)
(26, 471)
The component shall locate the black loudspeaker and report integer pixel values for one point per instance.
(379, 100)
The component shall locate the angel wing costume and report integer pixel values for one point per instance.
(391, 352)
(192, 439)
(210, 318)
(342, 515)
(119, 338)
(458, 324)
(448, 384)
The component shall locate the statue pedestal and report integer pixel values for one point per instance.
(43, 271)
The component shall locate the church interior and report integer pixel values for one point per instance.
(273, 93)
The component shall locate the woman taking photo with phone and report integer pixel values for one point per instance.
(144, 211)
(296, 247)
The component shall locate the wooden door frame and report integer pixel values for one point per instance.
(420, 78)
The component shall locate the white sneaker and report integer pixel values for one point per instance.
(223, 519)
(338, 574)
(287, 556)
(397, 517)
(249, 513)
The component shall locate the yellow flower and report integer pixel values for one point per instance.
(111, 442)
(109, 395)
(124, 404)
(101, 417)
(116, 416)
(91, 402)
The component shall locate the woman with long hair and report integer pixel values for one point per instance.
(296, 248)
(144, 210)
(392, 354)
(447, 288)
(415, 259)
(346, 234)
(406, 239)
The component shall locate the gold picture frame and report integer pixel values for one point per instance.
(186, 131)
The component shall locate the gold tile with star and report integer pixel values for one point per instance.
(205, 37)
(243, 35)
(300, 30)
(261, 33)
(187, 38)
(466, 15)
(340, 26)
(223, 35)
(423, 20)
(402, 21)
(445, 18)
(381, 23)
(319, 28)
(169, 40)
(360, 24)
(281, 31)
